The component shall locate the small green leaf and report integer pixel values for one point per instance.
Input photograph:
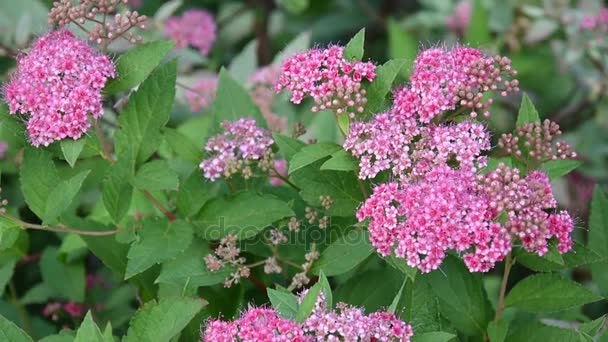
(88, 331)
(158, 241)
(344, 254)
(135, 65)
(598, 238)
(378, 90)
(353, 51)
(117, 189)
(478, 32)
(11, 332)
(243, 215)
(183, 146)
(393, 307)
(497, 330)
(245, 63)
(6, 273)
(310, 154)
(233, 102)
(163, 320)
(401, 265)
(340, 161)
(326, 289)
(343, 123)
(287, 146)
(527, 112)
(71, 149)
(38, 176)
(66, 279)
(558, 168)
(9, 233)
(285, 303)
(548, 293)
(401, 44)
(434, 336)
(194, 192)
(156, 175)
(308, 303)
(62, 196)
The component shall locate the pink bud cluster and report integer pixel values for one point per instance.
(194, 28)
(239, 149)
(538, 141)
(345, 324)
(57, 84)
(325, 75)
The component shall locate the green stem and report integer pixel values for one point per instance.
(58, 229)
(509, 261)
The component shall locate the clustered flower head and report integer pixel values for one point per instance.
(458, 22)
(345, 324)
(57, 84)
(597, 22)
(538, 140)
(194, 28)
(227, 254)
(107, 24)
(328, 78)
(202, 95)
(262, 93)
(242, 147)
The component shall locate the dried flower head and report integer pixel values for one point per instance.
(194, 28)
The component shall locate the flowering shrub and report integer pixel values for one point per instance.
(307, 191)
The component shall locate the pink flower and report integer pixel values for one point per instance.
(255, 325)
(57, 84)
(195, 28)
(262, 93)
(280, 166)
(3, 149)
(74, 309)
(325, 75)
(458, 21)
(202, 94)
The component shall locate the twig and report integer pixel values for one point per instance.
(169, 215)
(503, 286)
(58, 228)
(106, 149)
(284, 179)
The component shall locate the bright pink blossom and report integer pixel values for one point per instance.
(57, 84)
(75, 310)
(195, 28)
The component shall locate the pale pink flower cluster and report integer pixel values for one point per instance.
(345, 324)
(57, 84)
(458, 22)
(195, 28)
(239, 149)
(262, 93)
(595, 22)
(325, 75)
(280, 169)
(202, 94)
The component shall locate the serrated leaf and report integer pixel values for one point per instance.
(592, 328)
(88, 331)
(183, 146)
(243, 215)
(134, 66)
(66, 279)
(9, 331)
(287, 146)
(145, 114)
(233, 102)
(245, 63)
(378, 90)
(344, 254)
(156, 175)
(38, 177)
(62, 196)
(163, 320)
(401, 265)
(598, 237)
(285, 303)
(478, 32)
(497, 331)
(326, 290)
(340, 161)
(9, 233)
(158, 241)
(308, 303)
(548, 293)
(353, 51)
(434, 336)
(527, 112)
(194, 192)
(558, 168)
(310, 154)
(71, 149)
(117, 189)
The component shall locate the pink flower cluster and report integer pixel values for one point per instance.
(195, 28)
(325, 75)
(57, 84)
(458, 21)
(346, 324)
(595, 22)
(262, 93)
(242, 146)
(202, 95)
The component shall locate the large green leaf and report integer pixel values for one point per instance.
(344, 254)
(62, 196)
(434, 336)
(341, 161)
(598, 237)
(66, 279)
(401, 265)
(194, 192)
(156, 175)
(478, 32)
(539, 332)
(353, 51)
(285, 303)
(158, 241)
(233, 102)
(9, 233)
(287, 146)
(163, 320)
(135, 65)
(11, 332)
(244, 215)
(558, 168)
(548, 293)
(117, 189)
(378, 90)
(419, 306)
(371, 290)
(38, 176)
(183, 146)
(146, 113)
(310, 154)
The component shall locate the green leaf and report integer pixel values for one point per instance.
(598, 238)
(245, 63)
(419, 306)
(38, 177)
(378, 90)
(299, 44)
(371, 290)
(146, 113)
(462, 299)
(478, 32)
(287, 146)
(163, 320)
(183, 146)
(66, 279)
(527, 112)
(11, 332)
(340, 161)
(194, 192)
(308, 303)
(71, 149)
(592, 328)
(158, 241)
(344, 254)
(310, 154)
(243, 215)
(539, 332)
(294, 6)
(558, 168)
(62, 196)
(6, 273)
(434, 336)
(353, 51)
(117, 189)
(285, 303)
(189, 268)
(401, 44)
(39, 294)
(88, 330)
(233, 102)
(548, 293)
(326, 289)
(156, 175)
(393, 307)
(72, 248)
(135, 65)
(401, 265)
(343, 124)
(551, 261)
(497, 331)
(9, 233)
